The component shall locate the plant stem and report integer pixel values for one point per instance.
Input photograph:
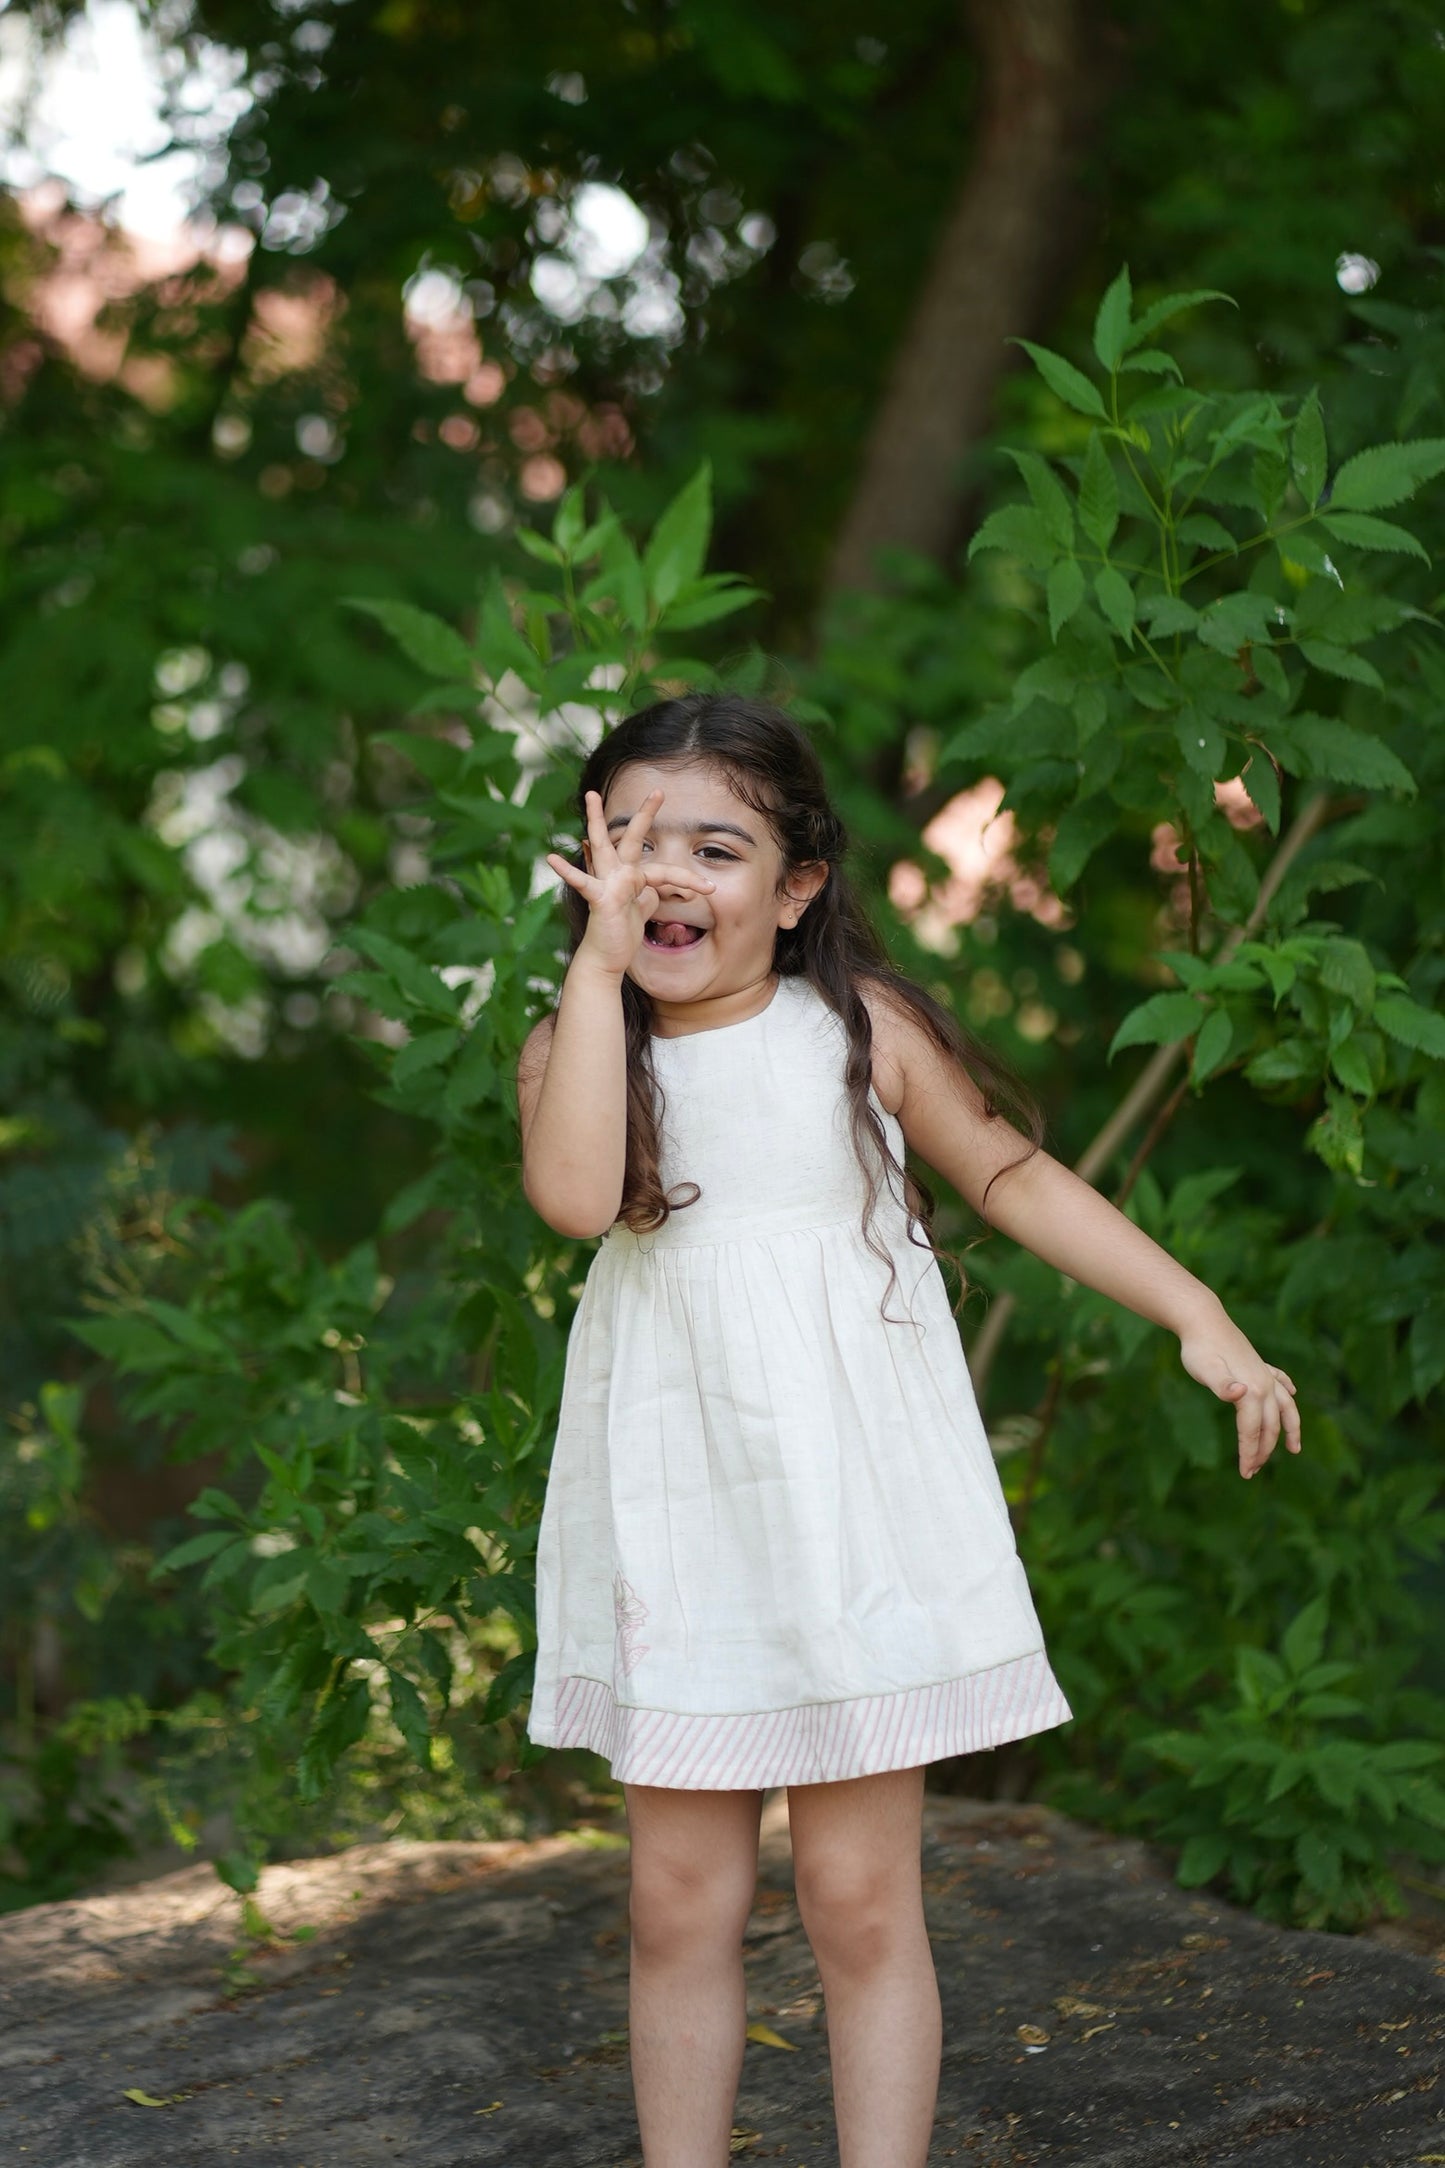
(1148, 1087)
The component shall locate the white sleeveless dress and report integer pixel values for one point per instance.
(774, 1548)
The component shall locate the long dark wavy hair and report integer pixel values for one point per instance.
(772, 766)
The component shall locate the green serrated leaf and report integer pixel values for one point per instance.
(683, 615)
(1021, 530)
(1386, 474)
(1201, 741)
(1116, 600)
(500, 646)
(416, 980)
(1162, 614)
(1111, 322)
(423, 1052)
(510, 1684)
(1324, 747)
(594, 539)
(1198, 530)
(677, 548)
(193, 1550)
(1201, 1858)
(1153, 363)
(1270, 671)
(1352, 1068)
(327, 1583)
(621, 580)
(1211, 1048)
(1261, 781)
(1269, 477)
(1293, 1061)
(1341, 662)
(1308, 456)
(1319, 1861)
(1345, 968)
(1411, 1025)
(1234, 619)
(569, 522)
(430, 643)
(1063, 379)
(1366, 533)
(1082, 827)
(1162, 1020)
(1050, 499)
(536, 545)
(1065, 593)
(1427, 1349)
(409, 1715)
(1160, 312)
(1098, 495)
(1337, 1137)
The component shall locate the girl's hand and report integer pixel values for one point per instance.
(1217, 1353)
(622, 894)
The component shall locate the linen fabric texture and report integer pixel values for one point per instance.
(774, 1548)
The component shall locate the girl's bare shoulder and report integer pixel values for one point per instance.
(892, 1026)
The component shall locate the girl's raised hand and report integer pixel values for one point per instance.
(622, 892)
(1218, 1355)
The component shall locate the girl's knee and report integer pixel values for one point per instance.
(676, 1903)
(694, 1868)
(855, 1911)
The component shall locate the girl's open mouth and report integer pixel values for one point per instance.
(671, 934)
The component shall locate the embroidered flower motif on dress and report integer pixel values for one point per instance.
(630, 1611)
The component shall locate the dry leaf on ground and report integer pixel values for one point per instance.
(767, 2038)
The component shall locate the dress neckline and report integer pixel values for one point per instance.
(706, 1030)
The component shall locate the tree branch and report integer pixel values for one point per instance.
(1149, 1086)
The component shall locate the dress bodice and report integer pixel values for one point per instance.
(757, 1114)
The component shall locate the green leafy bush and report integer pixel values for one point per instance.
(1213, 605)
(1181, 600)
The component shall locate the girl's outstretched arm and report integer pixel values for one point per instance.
(1062, 1219)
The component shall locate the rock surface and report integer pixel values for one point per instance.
(465, 2006)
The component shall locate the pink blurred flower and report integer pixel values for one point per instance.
(977, 840)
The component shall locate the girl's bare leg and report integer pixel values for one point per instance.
(857, 1861)
(694, 1877)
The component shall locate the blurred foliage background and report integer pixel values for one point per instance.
(305, 609)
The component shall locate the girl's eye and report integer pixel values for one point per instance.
(709, 850)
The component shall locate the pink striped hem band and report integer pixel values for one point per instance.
(817, 1743)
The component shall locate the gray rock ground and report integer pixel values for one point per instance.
(465, 2006)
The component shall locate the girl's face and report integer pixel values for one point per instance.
(701, 820)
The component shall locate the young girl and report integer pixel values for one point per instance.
(774, 1548)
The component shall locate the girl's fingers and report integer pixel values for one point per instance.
(1278, 1418)
(658, 878)
(677, 877)
(1289, 1415)
(629, 844)
(572, 875)
(602, 846)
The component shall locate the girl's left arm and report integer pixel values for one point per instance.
(1052, 1212)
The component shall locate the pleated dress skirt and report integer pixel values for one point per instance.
(774, 1548)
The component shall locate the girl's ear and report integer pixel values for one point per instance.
(803, 885)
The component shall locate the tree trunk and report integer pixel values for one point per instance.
(1016, 223)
